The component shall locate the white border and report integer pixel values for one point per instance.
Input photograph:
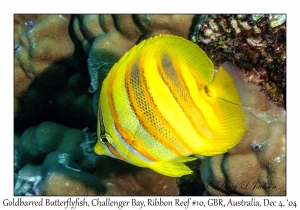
(8, 8)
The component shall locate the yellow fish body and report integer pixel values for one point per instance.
(160, 103)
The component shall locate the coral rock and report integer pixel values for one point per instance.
(142, 182)
(57, 183)
(257, 164)
(63, 176)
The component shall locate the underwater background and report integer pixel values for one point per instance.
(60, 62)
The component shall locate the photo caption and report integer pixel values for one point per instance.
(141, 203)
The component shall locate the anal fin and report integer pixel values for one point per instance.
(173, 168)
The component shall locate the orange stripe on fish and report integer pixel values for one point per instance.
(114, 151)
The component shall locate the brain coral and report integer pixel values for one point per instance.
(257, 164)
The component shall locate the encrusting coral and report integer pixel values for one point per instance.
(255, 42)
(58, 160)
(257, 164)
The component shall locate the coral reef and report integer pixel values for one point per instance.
(256, 43)
(58, 160)
(58, 58)
(257, 164)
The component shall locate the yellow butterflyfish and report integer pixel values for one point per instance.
(161, 103)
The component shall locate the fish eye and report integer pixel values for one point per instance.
(104, 140)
